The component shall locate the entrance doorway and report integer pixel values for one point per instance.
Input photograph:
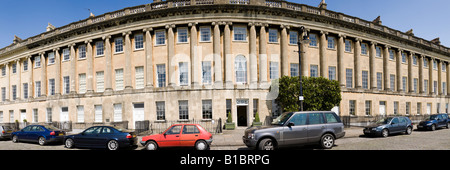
(242, 115)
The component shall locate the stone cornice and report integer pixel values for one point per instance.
(167, 9)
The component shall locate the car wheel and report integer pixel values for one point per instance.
(433, 127)
(408, 130)
(151, 145)
(385, 133)
(69, 143)
(327, 141)
(266, 144)
(41, 141)
(15, 139)
(201, 145)
(113, 145)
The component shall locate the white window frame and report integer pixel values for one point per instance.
(273, 35)
(240, 68)
(139, 77)
(99, 48)
(100, 81)
(138, 41)
(82, 83)
(183, 68)
(118, 45)
(160, 36)
(182, 34)
(205, 31)
(206, 72)
(66, 54)
(81, 52)
(119, 79)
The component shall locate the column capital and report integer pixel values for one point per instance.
(373, 43)
(358, 39)
(147, 29)
(323, 32)
(106, 37)
(191, 24)
(282, 26)
(28, 57)
(342, 35)
(71, 45)
(88, 41)
(261, 24)
(170, 26)
(126, 33)
(55, 49)
(42, 53)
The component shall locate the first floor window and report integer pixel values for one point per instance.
(314, 69)
(37, 89)
(379, 80)
(99, 46)
(392, 82)
(119, 79)
(14, 92)
(183, 109)
(365, 79)
(294, 70)
(161, 71)
(118, 45)
(66, 85)
(160, 37)
(184, 79)
(349, 78)
(182, 35)
(82, 83)
(139, 77)
(240, 66)
(139, 42)
(100, 81)
(240, 33)
(273, 70)
(51, 87)
(206, 72)
(25, 90)
(332, 73)
(205, 34)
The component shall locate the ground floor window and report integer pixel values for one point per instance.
(207, 109)
(183, 109)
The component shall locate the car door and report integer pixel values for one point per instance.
(171, 137)
(34, 133)
(86, 138)
(403, 124)
(441, 121)
(394, 127)
(105, 136)
(189, 135)
(316, 126)
(24, 133)
(296, 131)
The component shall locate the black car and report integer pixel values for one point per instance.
(102, 137)
(389, 125)
(432, 122)
(38, 133)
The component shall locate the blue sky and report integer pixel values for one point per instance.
(25, 18)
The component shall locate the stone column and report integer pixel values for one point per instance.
(253, 60)
(420, 58)
(30, 77)
(148, 58)
(170, 55)
(340, 59)
(90, 68)
(430, 76)
(372, 72)
(8, 82)
(217, 58)
(229, 59)
(127, 70)
(57, 71)
(19, 82)
(44, 75)
(108, 63)
(284, 53)
(386, 75)
(439, 86)
(399, 70)
(73, 70)
(194, 54)
(322, 56)
(263, 55)
(410, 77)
(448, 78)
(357, 62)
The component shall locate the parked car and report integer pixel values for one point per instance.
(389, 125)
(5, 132)
(296, 128)
(179, 135)
(102, 137)
(432, 122)
(38, 133)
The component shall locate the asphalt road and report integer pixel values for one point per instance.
(418, 140)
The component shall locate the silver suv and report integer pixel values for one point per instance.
(296, 128)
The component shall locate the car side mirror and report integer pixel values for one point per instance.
(392, 123)
(290, 124)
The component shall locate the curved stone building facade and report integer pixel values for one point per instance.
(180, 60)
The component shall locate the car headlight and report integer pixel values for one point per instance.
(374, 128)
(429, 124)
(251, 136)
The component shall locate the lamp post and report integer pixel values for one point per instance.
(301, 39)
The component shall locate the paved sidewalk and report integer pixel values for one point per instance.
(234, 137)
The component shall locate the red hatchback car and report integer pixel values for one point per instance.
(179, 135)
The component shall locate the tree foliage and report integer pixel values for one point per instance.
(319, 93)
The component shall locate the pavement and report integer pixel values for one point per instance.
(234, 137)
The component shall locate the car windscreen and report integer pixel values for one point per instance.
(431, 117)
(384, 120)
(280, 120)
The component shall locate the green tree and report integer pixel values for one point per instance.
(319, 93)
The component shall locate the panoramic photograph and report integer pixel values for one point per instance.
(234, 75)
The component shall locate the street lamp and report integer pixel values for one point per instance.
(301, 39)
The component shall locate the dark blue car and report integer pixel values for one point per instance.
(102, 137)
(432, 122)
(38, 133)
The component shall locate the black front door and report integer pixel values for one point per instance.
(242, 115)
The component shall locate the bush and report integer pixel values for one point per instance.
(319, 93)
